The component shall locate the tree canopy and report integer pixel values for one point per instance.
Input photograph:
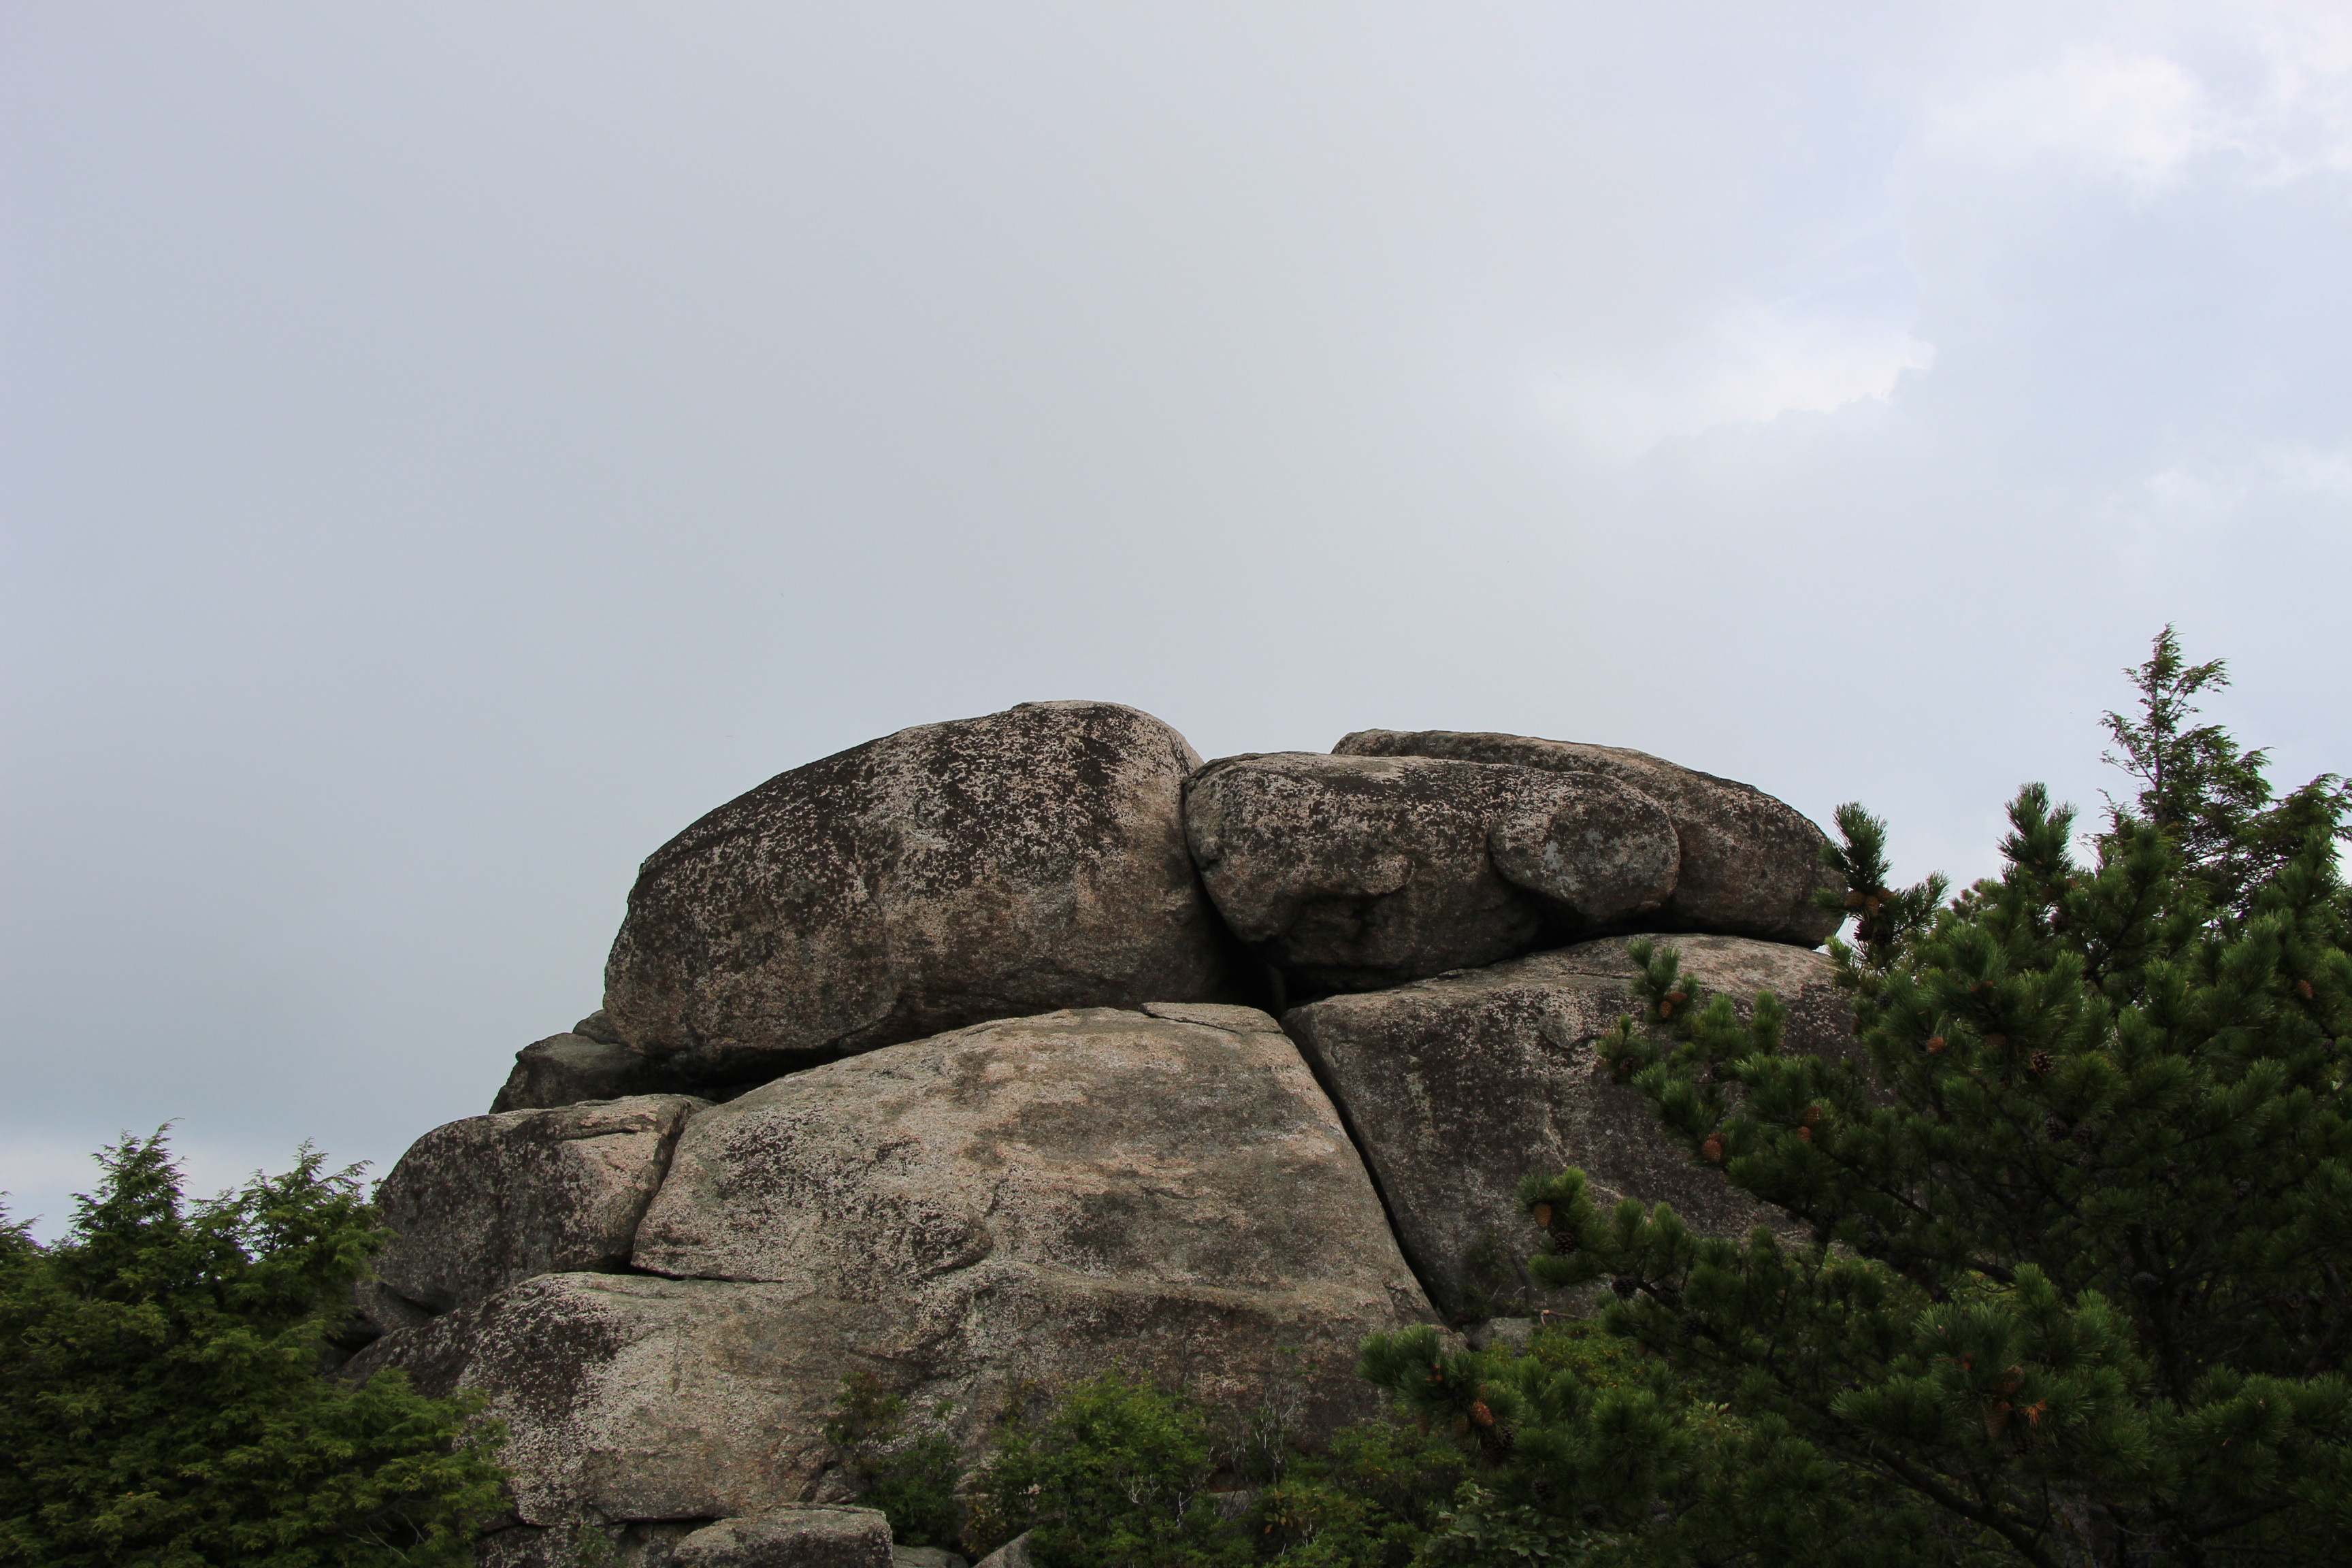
(2078, 1217)
(166, 1406)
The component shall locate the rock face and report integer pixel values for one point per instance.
(1456, 1088)
(791, 1538)
(478, 1204)
(1034, 1199)
(564, 1069)
(948, 874)
(1352, 873)
(1750, 863)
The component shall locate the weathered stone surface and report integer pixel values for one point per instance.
(924, 1557)
(949, 874)
(1014, 1554)
(1458, 1087)
(565, 1069)
(793, 1537)
(1750, 863)
(1354, 873)
(1032, 1200)
(569, 1546)
(480, 1203)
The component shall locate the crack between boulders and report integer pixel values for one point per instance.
(1371, 1173)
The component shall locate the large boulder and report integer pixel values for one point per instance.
(478, 1205)
(791, 1537)
(1017, 1203)
(949, 874)
(564, 1069)
(1354, 873)
(1750, 863)
(1458, 1087)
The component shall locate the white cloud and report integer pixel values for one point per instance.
(2267, 86)
(2136, 115)
(1755, 364)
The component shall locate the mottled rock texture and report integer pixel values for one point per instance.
(570, 1546)
(1455, 1088)
(1353, 873)
(564, 1069)
(1032, 1199)
(1749, 864)
(478, 1204)
(1014, 1554)
(949, 874)
(802, 1537)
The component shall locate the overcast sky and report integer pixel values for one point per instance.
(446, 447)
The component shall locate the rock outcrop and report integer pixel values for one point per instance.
(1748, 865)
(479, 1204)
(801, 1537)
(1353, 873)
(929, 1062)
(1031, 1200)
(564, 1069)
(949, 874)
(1455, 1088)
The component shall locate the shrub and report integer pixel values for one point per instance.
(165, 1407)
(2074, 1290)
(912, 1479)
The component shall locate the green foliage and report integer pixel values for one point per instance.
(911, 1478)
(1115, 1477)
(2198, 788)
(1371, 1503)
(1589, 1450)
(165, 1407)
(2075, 1291)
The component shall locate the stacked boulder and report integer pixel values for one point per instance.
(954, 1061)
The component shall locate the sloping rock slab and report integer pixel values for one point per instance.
(1031, 1201)
(1354, 873)
(1456, 1088)
(564, 1069)
(1750, 863)
(799, 1537)
(949, 874)
(478, 1205)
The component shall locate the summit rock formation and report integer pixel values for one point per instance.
(940, 1062)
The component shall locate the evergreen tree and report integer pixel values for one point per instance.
(165, 1404)
(2076, 1290)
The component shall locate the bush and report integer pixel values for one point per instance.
(912, 1479)
(165, 1405)
(1115, 1477)
(2074, 1289)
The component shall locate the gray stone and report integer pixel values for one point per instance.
(796, 1536)
(636, 1545)
(383, 1309)
(565, 1069)
(1355, 873)
(1018, 1204)
(949, 874)
(924, 1557)
(1750, 863)
(598, 1027)
(1014, 1554)
(478, 1204)
(1458, 1087)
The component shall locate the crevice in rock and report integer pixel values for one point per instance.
(1355, 1139)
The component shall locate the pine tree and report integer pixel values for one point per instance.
(165, 1407)
(2079, 1283)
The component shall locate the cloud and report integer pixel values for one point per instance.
(2136, 115)
(1755, 364)
(2268, 88)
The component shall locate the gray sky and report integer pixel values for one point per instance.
(447, 448)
